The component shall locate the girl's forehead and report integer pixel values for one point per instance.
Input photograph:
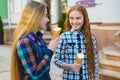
(75, 12)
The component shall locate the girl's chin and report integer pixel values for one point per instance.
(44, 28)
(77, 29)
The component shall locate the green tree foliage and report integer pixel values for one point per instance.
(61, 21)
(1, 32)
(1, 27)
(1, 23)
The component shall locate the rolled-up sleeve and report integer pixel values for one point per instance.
(60, 52)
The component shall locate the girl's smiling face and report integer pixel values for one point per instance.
(76, 20)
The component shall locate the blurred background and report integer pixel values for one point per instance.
(104, 18)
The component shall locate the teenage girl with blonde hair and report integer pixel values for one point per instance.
(30, 55)
(77, 39)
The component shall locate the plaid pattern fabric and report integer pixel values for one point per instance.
(35, 57)
(72, 43)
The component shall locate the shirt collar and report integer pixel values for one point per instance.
(36, 36)
(39, 34)
(75, 32)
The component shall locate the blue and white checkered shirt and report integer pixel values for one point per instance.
(70, 44)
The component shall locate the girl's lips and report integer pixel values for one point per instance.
(75, 26)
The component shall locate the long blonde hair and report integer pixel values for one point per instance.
(30, 19)
(87, 37)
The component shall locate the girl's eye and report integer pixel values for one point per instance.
(78, 18)
(71, 17)
(46, 15)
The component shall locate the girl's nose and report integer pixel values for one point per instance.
(74, 21)
(48, 20)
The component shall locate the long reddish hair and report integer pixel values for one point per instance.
(87, 37)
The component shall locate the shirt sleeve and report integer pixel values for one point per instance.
(96, 57)
(60, 52)
(26, 51)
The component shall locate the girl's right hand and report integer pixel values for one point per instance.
(53, 44)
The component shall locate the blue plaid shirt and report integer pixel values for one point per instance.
(35, 57)
(71, 43)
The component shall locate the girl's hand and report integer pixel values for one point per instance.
(53, 44)
(97, 78)
(75, 67)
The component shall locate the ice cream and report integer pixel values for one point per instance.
(56, 32)
(79, 58)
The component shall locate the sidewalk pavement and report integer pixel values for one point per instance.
(5, 58)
